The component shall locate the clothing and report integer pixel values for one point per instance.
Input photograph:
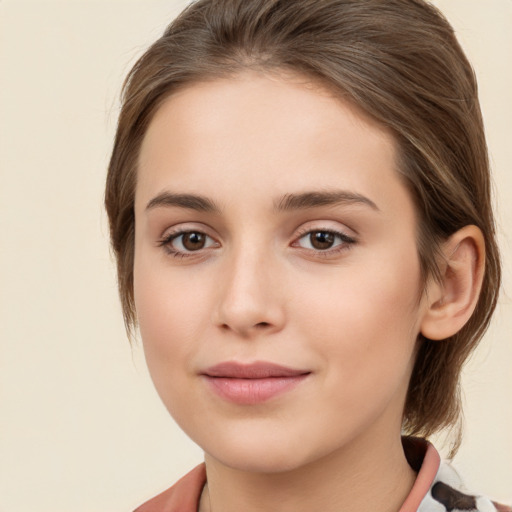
(437, 487)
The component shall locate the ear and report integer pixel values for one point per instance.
(451, 302)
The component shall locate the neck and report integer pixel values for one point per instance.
(352, 479)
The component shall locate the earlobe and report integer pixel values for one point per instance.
(454, 298)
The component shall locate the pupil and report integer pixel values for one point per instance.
(322, 240)
(193, 241)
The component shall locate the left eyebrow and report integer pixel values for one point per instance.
(314, 199)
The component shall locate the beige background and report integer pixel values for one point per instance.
(81, 428)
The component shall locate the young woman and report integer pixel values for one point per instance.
(299, 206)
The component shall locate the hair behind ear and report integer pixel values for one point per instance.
(444, 345)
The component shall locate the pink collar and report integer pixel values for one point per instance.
(429, 466)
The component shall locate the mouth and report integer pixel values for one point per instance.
(249, 384)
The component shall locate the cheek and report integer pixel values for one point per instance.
(366, 320)
(167, 324)
(167, 312)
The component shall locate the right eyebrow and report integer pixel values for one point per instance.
(188, 201)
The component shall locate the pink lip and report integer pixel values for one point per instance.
(252, 383)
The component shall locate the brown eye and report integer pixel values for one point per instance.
(324, 240)
(186, 242)
(193, 241)
(321, 239)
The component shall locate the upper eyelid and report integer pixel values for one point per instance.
(344, 231)
(305, 231)
(187, 227)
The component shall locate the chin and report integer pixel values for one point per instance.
(260, 452)
(260, 460)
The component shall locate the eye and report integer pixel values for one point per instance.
(184, 242)
(324, 239)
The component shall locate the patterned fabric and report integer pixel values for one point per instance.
(447, 494)
(438, 487)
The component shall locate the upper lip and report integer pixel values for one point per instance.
(257, 370)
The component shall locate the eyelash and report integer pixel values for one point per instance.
(166, 243)
(346, 242)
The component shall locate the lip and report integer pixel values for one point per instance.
(249, 384)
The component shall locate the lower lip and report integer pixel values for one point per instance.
(252, 391)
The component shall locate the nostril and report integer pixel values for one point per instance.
(262, 324)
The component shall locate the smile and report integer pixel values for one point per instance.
(254, 383)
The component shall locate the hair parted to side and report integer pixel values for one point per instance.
(399, 61)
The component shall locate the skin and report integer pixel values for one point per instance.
(260, 290)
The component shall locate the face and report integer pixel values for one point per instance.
(276, 272)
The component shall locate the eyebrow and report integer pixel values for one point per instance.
(288, 202)
(188, 201)
(306, 200)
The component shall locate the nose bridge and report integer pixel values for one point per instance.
(248, 298)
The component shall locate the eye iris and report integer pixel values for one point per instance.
(321, 239)
(193, 241)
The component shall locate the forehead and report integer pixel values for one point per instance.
(259, 131)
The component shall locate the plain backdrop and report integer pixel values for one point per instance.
(81, 428)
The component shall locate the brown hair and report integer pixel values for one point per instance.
(399, 61)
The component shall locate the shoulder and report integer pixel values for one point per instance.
(183, 496)
(447, 493)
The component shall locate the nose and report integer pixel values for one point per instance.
(250, 298)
